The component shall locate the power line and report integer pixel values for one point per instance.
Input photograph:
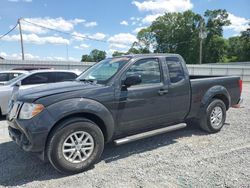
(63, 32)
(9, 31)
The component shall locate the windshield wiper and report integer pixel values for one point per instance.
(87, 80)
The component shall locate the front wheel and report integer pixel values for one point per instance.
(215, 116)
(75, 146)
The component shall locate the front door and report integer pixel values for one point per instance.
(147, 104)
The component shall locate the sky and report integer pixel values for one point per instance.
(112, 24)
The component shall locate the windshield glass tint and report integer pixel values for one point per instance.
(103, 71)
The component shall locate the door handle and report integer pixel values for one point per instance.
(162, 91)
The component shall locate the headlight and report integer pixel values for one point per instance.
(29, 110)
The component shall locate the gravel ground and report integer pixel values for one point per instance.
(185, 158)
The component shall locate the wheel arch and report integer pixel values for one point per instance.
(216, 92)
(84, 108)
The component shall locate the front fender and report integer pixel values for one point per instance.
(69, 107)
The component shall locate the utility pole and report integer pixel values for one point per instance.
(21, 37)
(200, 59)
(67, 52)
(202, 35)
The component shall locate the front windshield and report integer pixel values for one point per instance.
(103, 71)
(15, 79)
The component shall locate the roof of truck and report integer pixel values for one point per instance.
(148, 55)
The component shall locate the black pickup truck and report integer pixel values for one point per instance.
(118, 100)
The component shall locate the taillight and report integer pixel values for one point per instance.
(240, 85)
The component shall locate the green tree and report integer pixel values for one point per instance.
(178, 33)
(245, 41)
(239, 47)
(215, 47)
(97, 55)
(117, 53)
(94, 56)
(86, 58)
(145, 41)
(234, 49)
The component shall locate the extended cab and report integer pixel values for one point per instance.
(117, 100)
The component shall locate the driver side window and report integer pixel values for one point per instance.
(147, 69)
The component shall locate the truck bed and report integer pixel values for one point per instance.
(201, 84)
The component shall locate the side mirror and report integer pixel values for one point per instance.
(132, 80)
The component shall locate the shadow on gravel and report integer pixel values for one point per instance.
(18, 167)
(113, 153)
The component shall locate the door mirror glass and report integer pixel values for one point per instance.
(132, 80)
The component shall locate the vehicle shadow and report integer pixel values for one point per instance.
(18, 167)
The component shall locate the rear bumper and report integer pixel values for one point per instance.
(238, 105)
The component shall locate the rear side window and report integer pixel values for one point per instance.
(176, 73)
(38, 78)
(64, 76)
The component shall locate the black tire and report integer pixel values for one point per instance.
(58, 137)
(205, 122)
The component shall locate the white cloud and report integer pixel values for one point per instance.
(54, 23)
(33, 38)
(125, 39)
(98, 36)
(33, 29)
(81, 46)
(28, 56)
(136, 30)
(78, 36)
(162, 6)
(121, 41)
(15, 56)
(238, 24)
(120, 46)
(157, 8)
(90, 24)
(150, 18)
(124, 22)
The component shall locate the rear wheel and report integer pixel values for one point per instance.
(75, 146)
(215, 116)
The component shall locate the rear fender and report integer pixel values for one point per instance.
(214, 92)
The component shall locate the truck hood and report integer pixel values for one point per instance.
(34, 93)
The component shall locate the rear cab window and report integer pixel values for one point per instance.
(175, 70)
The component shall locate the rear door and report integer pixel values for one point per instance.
(179, 88)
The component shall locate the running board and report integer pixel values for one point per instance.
(149, 134)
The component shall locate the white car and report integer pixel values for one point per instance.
(6, 76)
(32, 79)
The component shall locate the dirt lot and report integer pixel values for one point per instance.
(185, 158)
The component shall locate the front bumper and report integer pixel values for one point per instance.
(238, 105)
(31, 135)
